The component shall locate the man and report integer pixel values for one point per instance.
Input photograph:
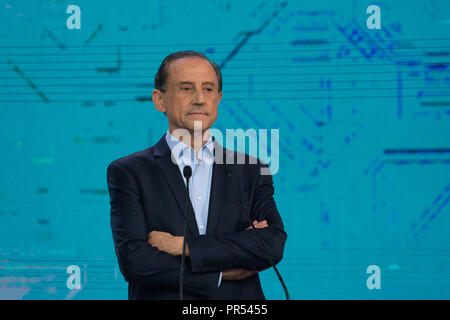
(148, 199)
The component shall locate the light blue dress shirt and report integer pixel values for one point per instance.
(200, 181)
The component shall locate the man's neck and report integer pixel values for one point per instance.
(197, 139)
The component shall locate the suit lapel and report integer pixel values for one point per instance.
(173, 177)
(218, 189)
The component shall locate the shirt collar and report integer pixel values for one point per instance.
(184, 153)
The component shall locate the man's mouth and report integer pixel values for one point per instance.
(199, 113)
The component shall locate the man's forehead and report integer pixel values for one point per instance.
(191, 66)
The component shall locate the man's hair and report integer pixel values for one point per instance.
(162, 74)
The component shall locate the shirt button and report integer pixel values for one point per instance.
(202, 226)
(199, 197)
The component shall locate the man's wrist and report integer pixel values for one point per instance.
(180, 241)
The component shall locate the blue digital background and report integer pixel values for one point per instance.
(364, 117)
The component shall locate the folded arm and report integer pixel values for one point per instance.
(138, 260)
(242, 250)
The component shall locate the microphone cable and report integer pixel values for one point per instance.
(229, 172)
(187, 173)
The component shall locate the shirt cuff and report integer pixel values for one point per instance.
(220, 280)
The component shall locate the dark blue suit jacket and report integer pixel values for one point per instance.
(147, 193)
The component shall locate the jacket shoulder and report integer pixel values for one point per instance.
(134, 159)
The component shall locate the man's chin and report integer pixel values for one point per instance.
(198, 125)
(198, 117)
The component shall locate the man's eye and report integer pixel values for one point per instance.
(208, 89)
(186, 88)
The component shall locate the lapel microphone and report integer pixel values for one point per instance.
(187, 173)
(229, 173)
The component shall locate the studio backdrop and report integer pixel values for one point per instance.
(354, 98)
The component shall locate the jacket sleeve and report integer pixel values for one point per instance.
(138, 260)
(242, 249)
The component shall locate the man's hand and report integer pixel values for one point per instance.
(166, 242)
(258, 225)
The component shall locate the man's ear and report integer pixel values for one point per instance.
(158, 101)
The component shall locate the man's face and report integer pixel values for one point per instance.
(191, 94)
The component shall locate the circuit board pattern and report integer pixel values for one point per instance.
(363, 117)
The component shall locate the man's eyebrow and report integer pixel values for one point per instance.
(185, 82)
(191, 83)
(210, 83)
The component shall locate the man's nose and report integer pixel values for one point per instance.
(199, 97)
